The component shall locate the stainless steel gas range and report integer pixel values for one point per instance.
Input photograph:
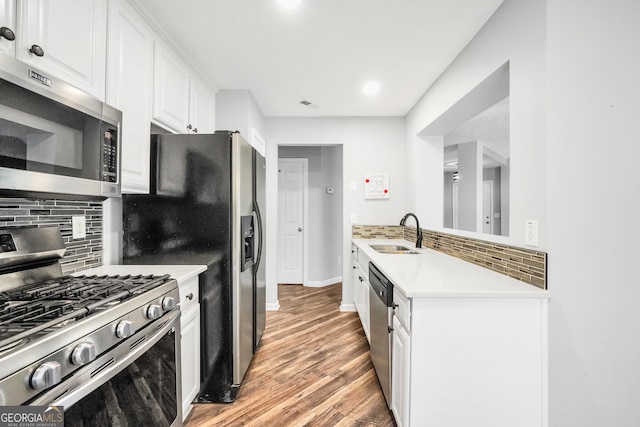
(106, 348)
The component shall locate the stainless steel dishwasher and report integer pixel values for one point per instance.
(381, 312)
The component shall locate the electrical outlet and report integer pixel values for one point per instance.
(79, 226)
(354, 218)
(531, 232)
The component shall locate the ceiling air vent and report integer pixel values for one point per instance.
(303, 102)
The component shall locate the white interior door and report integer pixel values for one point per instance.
(455, 205)
(487, 207)
(291, 220)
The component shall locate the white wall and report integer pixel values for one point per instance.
(238, 110)
(574, 101)
(515, 34)
(369, 145)
(325, 211)
(593, 86)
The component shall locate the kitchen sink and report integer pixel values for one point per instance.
(393, 249)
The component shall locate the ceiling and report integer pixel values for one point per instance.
(491, 127)
(323, 51)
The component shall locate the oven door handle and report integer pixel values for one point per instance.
(110, 364)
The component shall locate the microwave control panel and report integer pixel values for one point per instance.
(110, 155)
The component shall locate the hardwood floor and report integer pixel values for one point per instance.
(312, 369)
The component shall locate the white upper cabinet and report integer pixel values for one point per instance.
(130, 89)
(66, 38)
(171, 90)
(8, 26)
(202, 111)
(181, 101)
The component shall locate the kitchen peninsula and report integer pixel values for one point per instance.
(469, 345)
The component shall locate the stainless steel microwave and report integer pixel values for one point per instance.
(55, 139)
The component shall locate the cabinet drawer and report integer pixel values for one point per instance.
(402, 309)
(189, 295)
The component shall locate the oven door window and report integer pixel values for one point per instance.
(41, 135)
(143, 394)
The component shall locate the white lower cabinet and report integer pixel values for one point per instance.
(478, 362)
(400, 373)
(361, 292)
(189, 342)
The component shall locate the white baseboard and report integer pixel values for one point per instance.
(347, 307)
(323, 283)
(273, 306)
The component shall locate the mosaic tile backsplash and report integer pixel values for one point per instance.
(529, 266)
(377, 232)
(81, 254)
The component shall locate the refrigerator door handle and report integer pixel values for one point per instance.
(258, 233)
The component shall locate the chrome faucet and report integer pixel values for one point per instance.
(419, 237)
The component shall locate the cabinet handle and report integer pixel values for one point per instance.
(189, 126)
(394, 305)
(37, 50)
(195, 130)
(7, 33)
(389, 329)
(190, 296)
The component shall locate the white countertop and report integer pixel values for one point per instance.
(178, 272)
(435, 274)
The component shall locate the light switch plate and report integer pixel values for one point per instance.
(531, 232)
(79, 226)
(354, 218)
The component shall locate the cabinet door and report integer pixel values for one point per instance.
(172, 84)
(190, 343)
(202, 107)
(8, 20)
(72, 34)
(366, 310)
(358, 298)
(130, 89)
(400, 373)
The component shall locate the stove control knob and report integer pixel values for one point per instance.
(83, 353)
(168, 303)
(125, 329)
(153, 311)
(46, 375)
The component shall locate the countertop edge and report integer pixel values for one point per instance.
(520, 289)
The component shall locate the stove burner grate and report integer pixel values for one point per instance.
(52, 304)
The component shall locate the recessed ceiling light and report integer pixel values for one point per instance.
(289, 4)
(371, 88)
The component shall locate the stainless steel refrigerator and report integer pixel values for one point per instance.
(207, 192)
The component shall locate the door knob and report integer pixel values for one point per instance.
(299, 228)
